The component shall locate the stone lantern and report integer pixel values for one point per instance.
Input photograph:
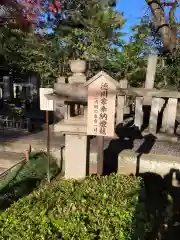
(72, 96)
(75, 108)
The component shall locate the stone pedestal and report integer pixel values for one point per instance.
(76, 156)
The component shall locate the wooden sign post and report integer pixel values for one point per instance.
(101, 111)
(47, 105)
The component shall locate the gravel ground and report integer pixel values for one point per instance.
(165, 148)
(144, 146)
(159, 147)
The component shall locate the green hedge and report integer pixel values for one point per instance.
(97, 208)
(36, 168)
(24, 178)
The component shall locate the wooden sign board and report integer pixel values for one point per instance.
(46, 104)
(101, 107)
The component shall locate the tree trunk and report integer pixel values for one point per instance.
(167, 29)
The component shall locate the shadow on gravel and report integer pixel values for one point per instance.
(159, 194)
(126, 136)
(146, 146)
(161, 197)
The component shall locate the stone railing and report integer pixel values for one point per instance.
(73, 97)
(162, 102)
(76, 117)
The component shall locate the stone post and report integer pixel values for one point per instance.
(123, 83)
(120, 109)
(154, 115)
(170, 116)
(164, 120)
(121, 103)
(150, 76)
(59, 106)
(138, 112)
(151, 71)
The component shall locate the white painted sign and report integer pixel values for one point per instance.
(101, 106)
(46, 104)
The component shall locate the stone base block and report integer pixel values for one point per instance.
(76, 156)
(72, 127)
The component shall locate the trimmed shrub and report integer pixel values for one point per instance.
(97, 208)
